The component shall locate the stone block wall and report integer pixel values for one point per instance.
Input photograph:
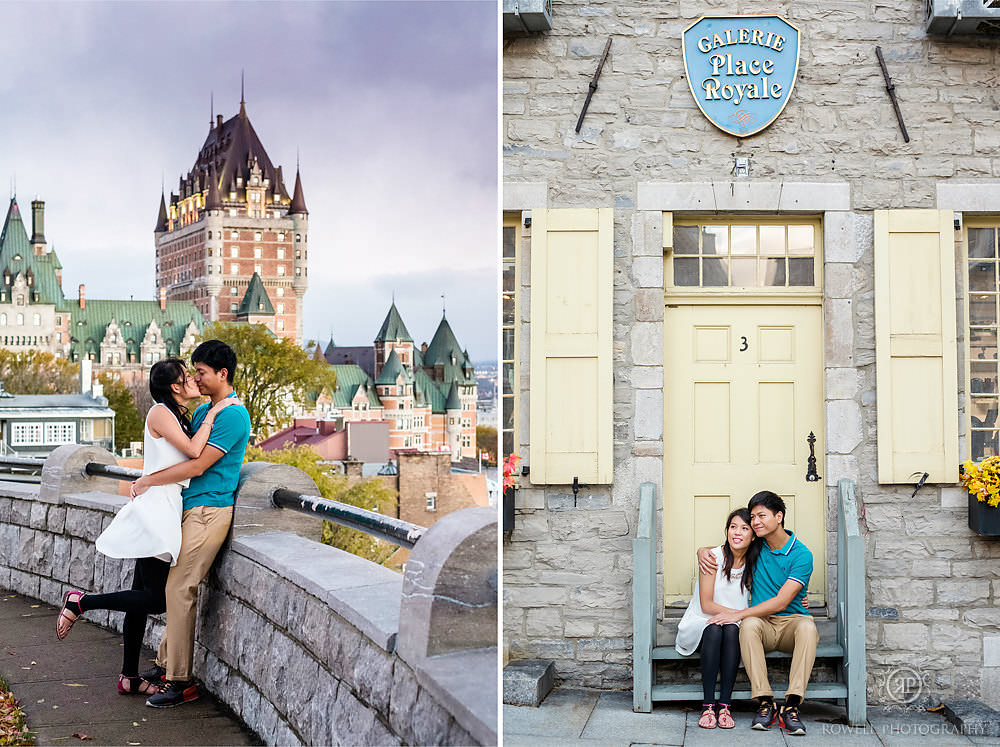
(306, 643)
(933, 585)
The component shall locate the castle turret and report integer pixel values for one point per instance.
(453, 422)
(300, 219)
(213, 244)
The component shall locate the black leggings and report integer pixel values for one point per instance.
(146, 598)
(720, 649)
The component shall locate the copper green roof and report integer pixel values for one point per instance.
(392, 369)
(349, 379)
(453, 402)
(393, 328)
(18, 257)
(90, 324)
(428, 393)
(255, 300)
(445, 351)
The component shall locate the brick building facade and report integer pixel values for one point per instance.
(232, 218)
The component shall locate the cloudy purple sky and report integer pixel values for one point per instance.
(392, 107)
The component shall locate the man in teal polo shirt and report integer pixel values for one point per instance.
(208, 514)
(777, 618)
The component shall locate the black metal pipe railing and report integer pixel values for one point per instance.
(112, 470)
(388, 528)
(22, 462)
(372, 523)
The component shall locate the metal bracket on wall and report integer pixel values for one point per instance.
(891, 88)
(593, 85)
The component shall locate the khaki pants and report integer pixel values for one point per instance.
(203, 530)
(794, 634)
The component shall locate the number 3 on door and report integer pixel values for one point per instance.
(743, 344)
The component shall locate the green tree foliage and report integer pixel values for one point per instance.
(371, 494)
(129, 423)
(35, 372)
(486, 440)
(271, 371)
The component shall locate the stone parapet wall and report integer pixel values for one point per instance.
(306, 643)
(645, 147)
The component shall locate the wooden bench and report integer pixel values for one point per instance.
(847, 651)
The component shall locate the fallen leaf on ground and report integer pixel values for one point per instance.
(73, 684)
(135, 723)
(134, 743)
(80, 735)
(35, 605)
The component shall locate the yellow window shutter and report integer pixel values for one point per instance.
(916, 360)
(572, 263)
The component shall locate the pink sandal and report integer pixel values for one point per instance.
(707, 720)
(67, 618)
(725, 717)
(135, 686)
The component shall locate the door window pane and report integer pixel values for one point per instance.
(509, 232)
(685, 271)
(772, 240)
(745, 240)
(715, 240)
(744, 272)
(982, 344)
(685, 239)
(801, 240)
(772, 272)
(984, 377)
(800, 271)
(715, 272)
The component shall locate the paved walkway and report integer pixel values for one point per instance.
(592, 718)
(68, 687)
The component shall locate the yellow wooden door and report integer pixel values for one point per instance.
(744, 388)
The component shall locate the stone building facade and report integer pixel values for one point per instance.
(230, 219)
(647, 175)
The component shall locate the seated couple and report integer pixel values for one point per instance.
(751, 600)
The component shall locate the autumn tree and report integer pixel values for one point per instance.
(371, 494)
(271, 372)
(129, 424)
(35, 372)
(486, 440)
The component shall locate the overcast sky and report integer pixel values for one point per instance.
(392, 107)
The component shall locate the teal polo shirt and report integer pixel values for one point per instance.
(230, 433)
(794, 562)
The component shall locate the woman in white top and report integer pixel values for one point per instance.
(148, 528)
(726, 590)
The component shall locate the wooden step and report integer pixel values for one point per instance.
(823, 651)
(827, 690)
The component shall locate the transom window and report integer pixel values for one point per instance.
(981, 307)
(509, 394)
(742, 253)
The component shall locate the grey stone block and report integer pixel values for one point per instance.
(4, 510)
(83, 523)
(526, 682)
(9, 543)
(60, 557)
(402, 699)
(373, 676)
(37, 518)
(81, 563)
(56, 519)
(973, 718)
(430, 720)
(20, 512)
(464, 684)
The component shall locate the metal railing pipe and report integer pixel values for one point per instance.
(388, 528)
(23, 462)
(95, 469)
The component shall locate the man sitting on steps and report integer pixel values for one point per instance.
(777, 618)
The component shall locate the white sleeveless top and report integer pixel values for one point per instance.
(150, 525)
(726, 593)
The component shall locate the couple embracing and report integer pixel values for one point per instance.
(751, 599)
(178, 518)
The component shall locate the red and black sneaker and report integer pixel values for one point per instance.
(173, 694)
(767, 714)
(789, 720)
(155, 674)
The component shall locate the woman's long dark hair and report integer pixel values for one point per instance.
(749, 560)
(162, 376)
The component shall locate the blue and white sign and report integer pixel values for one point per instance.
(741, 69)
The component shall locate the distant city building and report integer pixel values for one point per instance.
(125, 337)
(232, 220)
(335, 440)
(427, 394)
(34, 425)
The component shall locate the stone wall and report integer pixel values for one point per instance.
(836, 151)
(306, 643)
